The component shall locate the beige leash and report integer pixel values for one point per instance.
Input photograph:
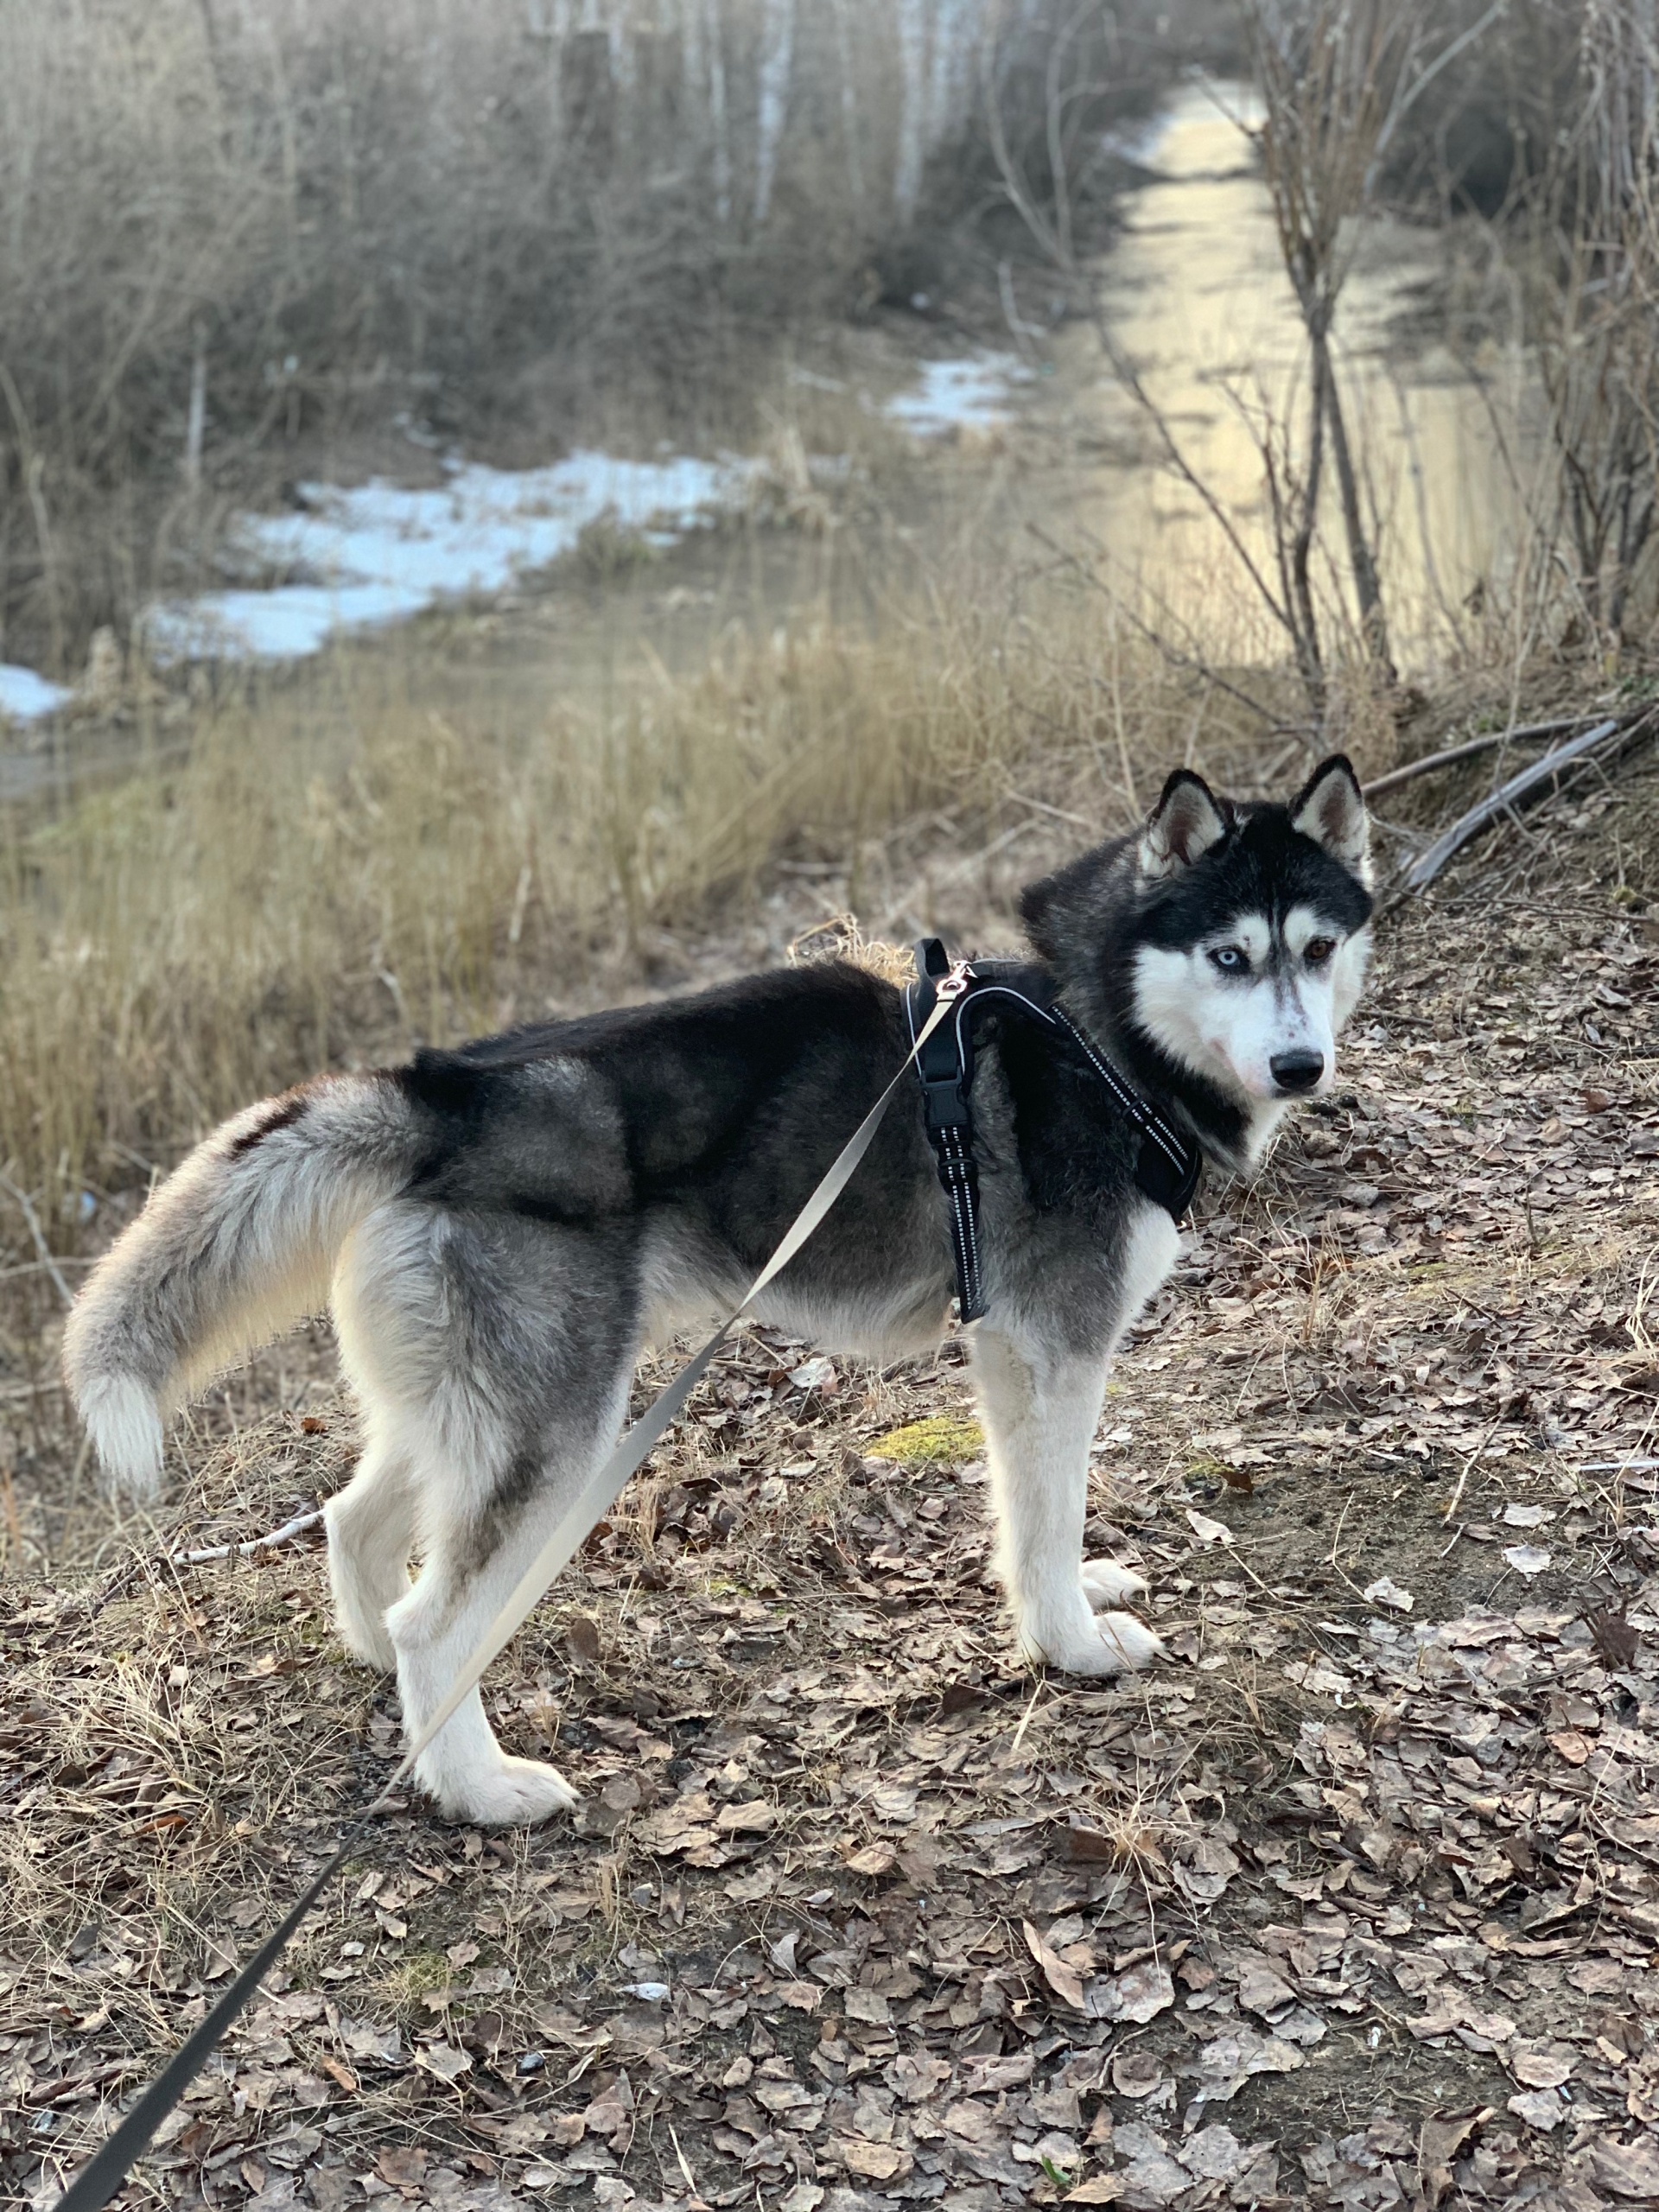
(106, 2170)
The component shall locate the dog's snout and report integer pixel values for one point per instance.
(1298, 1071)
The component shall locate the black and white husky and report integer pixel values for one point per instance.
(498, 1229)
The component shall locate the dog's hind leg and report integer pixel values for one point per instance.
(1040, 1406)
(371, 1526)
(501, 1511)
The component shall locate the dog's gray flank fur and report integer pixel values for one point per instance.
(498, 1229)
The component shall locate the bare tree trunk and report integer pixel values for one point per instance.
(719, 120)
(1361, 558)
(1309, 659)
(912, 110)
(777, 59)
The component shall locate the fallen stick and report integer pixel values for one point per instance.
(26, 1207)
(296, 1527)
(1530, 734)
(1423, 872)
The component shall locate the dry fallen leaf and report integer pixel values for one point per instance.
(1140, 1994)
(1207, 1530)
(444, 2060)
(874, 1859)
(1386, 1592)
(1527, 1559)
(1065, 1981)
(1541, 2065)
(1540, 2108)
(1137, 2073)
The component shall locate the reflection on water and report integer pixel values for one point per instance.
(1196, 295)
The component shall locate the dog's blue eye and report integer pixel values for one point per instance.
(1231, 959)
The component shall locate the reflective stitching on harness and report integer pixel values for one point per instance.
(1152, 1124)
(947, 1086)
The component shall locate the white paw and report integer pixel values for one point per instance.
(1105, 1583)
(516, 1794)
(1111, 1644)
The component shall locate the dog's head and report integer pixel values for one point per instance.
(1232, 935)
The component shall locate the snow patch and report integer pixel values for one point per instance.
(25, 696)
(969, 394)
(377, 554)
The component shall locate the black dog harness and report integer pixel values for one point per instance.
(1169, 1162)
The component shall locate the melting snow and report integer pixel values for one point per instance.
(971, 394)
(24, 697)
(377, 554)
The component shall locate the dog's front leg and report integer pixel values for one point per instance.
(1040, 1408)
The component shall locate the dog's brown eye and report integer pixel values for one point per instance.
(1319, 950)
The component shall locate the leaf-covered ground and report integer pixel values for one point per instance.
(1353, 1901)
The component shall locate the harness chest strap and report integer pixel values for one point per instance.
(1168, 1163)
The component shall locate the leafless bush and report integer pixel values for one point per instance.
(303, 218)
(1584, 241)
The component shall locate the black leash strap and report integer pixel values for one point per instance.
(1169, 1162)
(103, 2173)
(945, 1064)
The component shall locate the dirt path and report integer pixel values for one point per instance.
(1352, 1903)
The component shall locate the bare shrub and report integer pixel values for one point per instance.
(1585, 245)
(305, 219)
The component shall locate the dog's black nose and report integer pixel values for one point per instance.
(1297, 1071)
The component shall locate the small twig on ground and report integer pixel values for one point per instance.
(1467, 1464)
(26, 1207)
(289, 1530)
(1532, 733)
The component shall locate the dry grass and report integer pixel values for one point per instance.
(322, 872)
(1391, 1855)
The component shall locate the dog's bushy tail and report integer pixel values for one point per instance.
(235, 1246)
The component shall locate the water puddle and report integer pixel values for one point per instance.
(1195, 294)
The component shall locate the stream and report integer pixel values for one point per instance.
(1193, 293)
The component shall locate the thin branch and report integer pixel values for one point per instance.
(1188, 661)
(1533, 733)
(285, 1534)
(1423, 872)
(26, 1207)
(1402, 107)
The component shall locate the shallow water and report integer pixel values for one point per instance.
(1196, 295)
(1192, 292)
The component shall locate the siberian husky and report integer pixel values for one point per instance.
(498, 1229)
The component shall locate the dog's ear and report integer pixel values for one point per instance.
(1186, 822)
(1331, 810)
